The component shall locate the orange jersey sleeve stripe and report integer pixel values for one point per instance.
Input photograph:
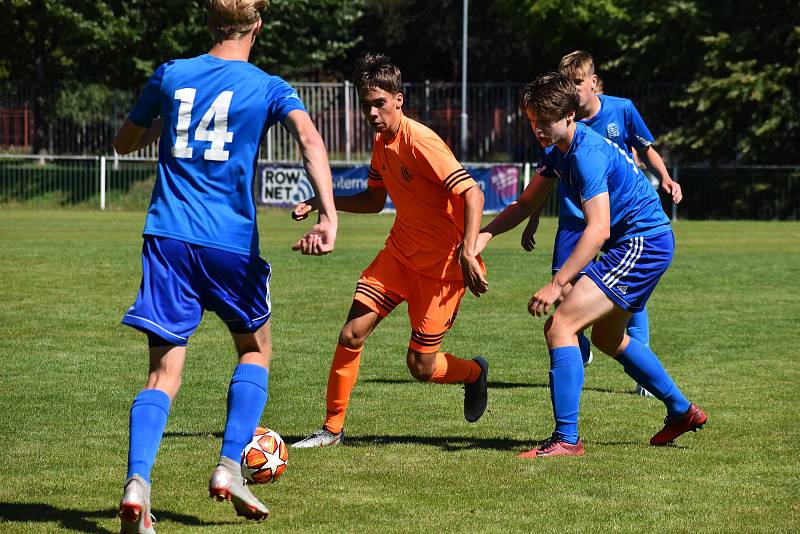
(374, 178)
(456, 178)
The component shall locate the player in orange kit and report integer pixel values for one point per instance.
(429, 259)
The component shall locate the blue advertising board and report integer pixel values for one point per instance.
(286, 185)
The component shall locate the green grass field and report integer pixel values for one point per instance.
(724, 321)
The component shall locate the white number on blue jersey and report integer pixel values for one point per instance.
(218, 136)
(182, 148)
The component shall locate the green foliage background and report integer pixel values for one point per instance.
(733, 66)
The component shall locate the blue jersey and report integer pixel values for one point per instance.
(595, 165)
(619, 121)
(215, 114)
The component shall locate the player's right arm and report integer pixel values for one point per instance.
(371, 200)
(143, 126)
(132, 137)
(320, 240)
(531, 201)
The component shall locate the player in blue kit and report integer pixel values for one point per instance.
(616, 119)
(624, 219)
(201, 249)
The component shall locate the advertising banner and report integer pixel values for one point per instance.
(286, 185)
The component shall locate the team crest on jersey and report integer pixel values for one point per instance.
(612, 129)
(406, 174)
(623, 289)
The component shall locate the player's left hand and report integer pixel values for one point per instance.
(474, 278)
(319, 241)
(528, 241)
(673, 189)
(541, 301)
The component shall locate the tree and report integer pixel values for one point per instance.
(118, 44)
(743, 104)
(737, 71)
(50, 41)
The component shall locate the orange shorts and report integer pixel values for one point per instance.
(432, 303)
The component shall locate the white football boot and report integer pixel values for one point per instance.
(320, 438)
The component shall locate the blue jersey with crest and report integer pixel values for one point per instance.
(595, 165)
(215, 114)
(619, 121)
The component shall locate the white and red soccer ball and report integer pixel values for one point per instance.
(264, 458)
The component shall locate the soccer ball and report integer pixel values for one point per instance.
(264, 458)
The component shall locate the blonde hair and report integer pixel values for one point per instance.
(577, 64)
(232, 19)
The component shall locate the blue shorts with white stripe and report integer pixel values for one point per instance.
(629, 271)
(180, 280)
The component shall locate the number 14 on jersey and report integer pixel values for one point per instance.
(218, 136)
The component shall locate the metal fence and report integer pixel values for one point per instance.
(761, 192)
(92, 182)
(74, 119)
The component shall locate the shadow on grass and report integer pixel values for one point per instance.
(187, 434)
(494, 385)
(85, 520)
(442, 442)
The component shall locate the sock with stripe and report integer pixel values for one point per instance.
(641, 364)
(566, 381)
(639, 327)
(149, 413)
(341, 380)
(247, 395)
(585, 346)
(453, 370)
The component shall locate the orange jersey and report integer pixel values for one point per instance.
(425, 181)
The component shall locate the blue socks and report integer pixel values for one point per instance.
(585, 346)
(639, 327)
(148, 419)
(643, 366)
(247, 396)
(566, 381)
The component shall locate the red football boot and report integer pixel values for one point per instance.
(674, 426)
(554, 447)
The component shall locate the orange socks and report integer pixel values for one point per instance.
(342, 378)
(453, 370)
(344, 371)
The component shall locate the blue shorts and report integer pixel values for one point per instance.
(181, 280)
(563, 246)
(629, 271)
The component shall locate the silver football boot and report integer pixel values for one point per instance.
(320, 438)
(228, 484)
(134, 508)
